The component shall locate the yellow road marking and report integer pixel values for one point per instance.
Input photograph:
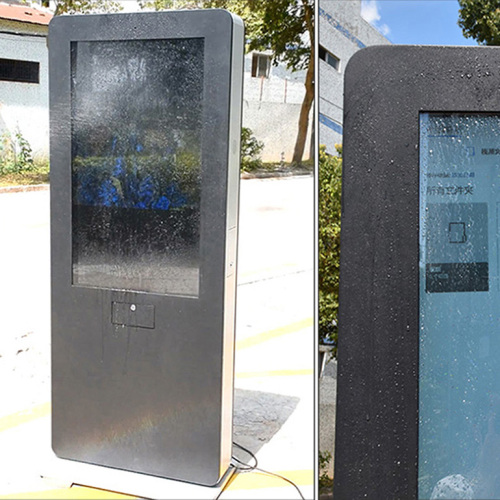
(74, 493)
(244, 481)
(275, 373)
(272, 334)
(23, 417)
(258, 480)
(42, 410)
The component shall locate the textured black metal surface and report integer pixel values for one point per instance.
(151, 393)
(377, 404)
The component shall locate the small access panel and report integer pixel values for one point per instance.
(145, 135)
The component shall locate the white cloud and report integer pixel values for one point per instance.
(384, 29)
(370, 13)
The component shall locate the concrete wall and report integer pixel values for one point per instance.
(271, 108)
(342, 31)
(25, 105)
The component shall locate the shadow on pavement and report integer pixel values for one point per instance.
(258, 416)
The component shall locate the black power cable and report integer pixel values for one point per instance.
(244, 467)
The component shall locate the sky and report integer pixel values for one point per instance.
(426, 22)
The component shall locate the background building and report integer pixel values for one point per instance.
(272, 98)
(24, 95)
(342, 32)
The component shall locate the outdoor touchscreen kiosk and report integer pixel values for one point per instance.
(418, 410)
(145, 134)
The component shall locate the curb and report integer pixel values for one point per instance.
(23, 189)
(275, 175)
(244, 175)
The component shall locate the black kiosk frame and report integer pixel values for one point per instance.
(142, 357)
(387, 91)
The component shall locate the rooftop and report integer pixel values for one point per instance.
(24, 14)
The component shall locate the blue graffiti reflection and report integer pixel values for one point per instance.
(125, 187)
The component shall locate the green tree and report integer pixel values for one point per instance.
(86, 6)
(286, 27)
(250, 151)
(325, 483)
(330, 174)
(480, 20)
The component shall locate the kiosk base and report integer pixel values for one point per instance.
(68, 472)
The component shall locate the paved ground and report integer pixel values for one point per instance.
(274, 414)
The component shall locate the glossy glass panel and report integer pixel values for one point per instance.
(459, 381)
(136, 164)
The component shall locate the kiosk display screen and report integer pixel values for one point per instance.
(459, 377)
(136, 164)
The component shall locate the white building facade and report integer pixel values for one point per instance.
(272, 99)
(24, 75)
(342, 32)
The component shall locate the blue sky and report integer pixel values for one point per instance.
(427, 22)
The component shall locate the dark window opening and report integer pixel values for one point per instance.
(261, 65)
(19, 71)
(329, 58)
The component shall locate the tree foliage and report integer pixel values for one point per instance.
(480, 20)
(285, 27)
(330, 174)
(325, 482)
(277, 25)
(250, 150)
(86, 6)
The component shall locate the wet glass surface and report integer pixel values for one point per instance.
(459, 380)
(136, 164)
